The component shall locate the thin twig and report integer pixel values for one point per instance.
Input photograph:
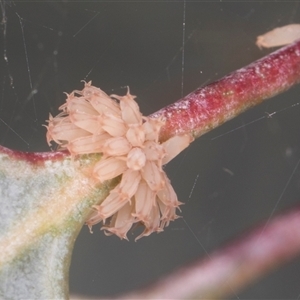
(233, 266)
(208, 107)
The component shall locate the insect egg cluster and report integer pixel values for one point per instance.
(92, 122)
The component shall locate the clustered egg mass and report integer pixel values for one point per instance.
(92, 122)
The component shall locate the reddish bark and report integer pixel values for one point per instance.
(210, 106)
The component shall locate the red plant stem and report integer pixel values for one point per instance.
(34, 157)
(232, 267)
(210, 106)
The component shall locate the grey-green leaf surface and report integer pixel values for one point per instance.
(45, 199)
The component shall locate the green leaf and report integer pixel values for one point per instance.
(45, 199)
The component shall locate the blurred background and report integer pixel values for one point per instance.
(230, 179)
